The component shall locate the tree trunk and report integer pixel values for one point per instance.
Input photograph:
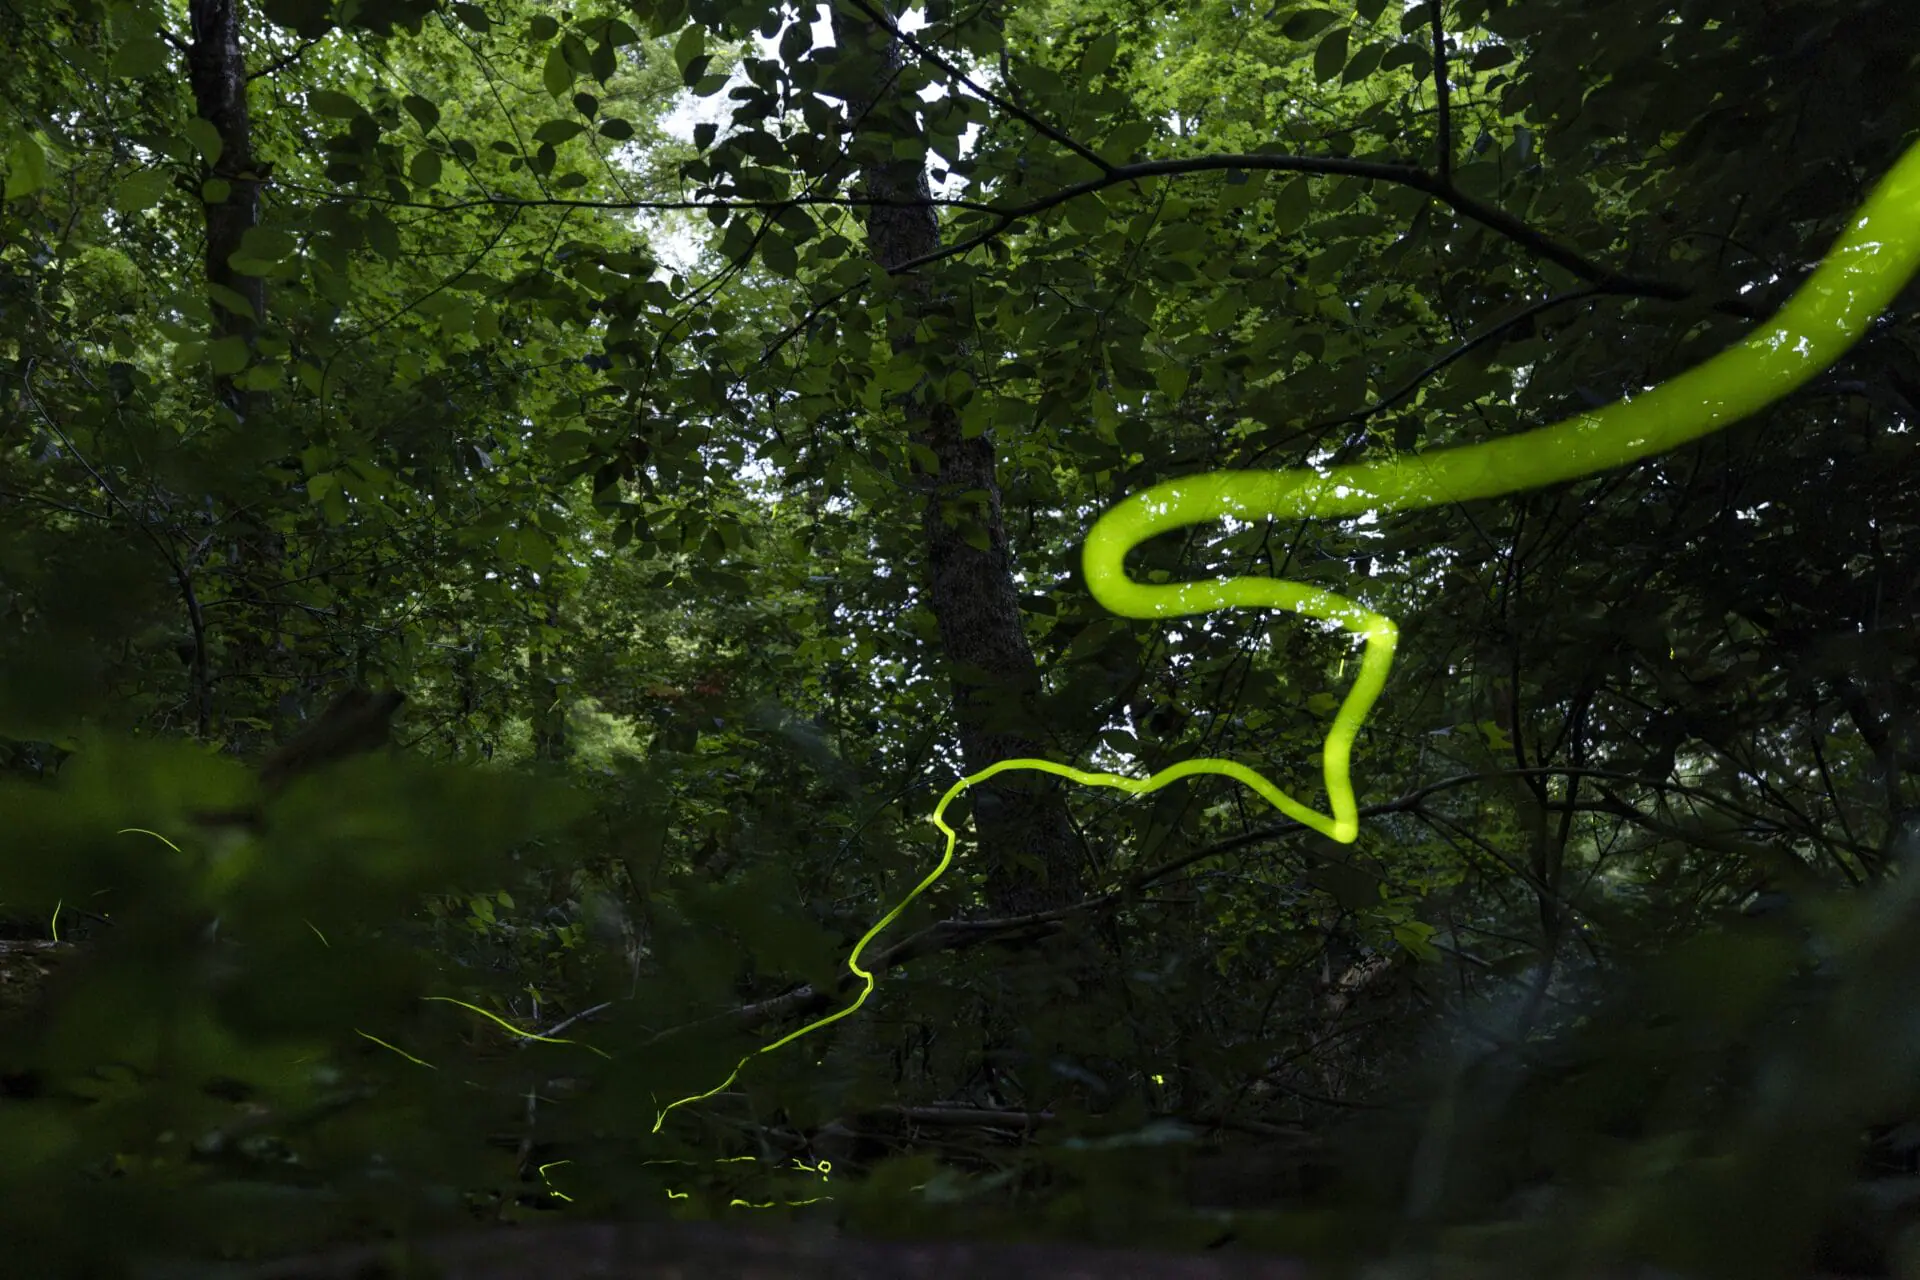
(545, 687)
(218, 74)
(1025, 839)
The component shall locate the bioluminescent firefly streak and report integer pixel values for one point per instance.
(1874, 258)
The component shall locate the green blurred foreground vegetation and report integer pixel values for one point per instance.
(602, 379)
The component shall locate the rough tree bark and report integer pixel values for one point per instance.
(1026, 840)
(217, 72)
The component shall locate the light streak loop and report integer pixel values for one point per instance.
(1874, 258)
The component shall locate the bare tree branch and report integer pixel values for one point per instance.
(1493, 218)
(285, 60)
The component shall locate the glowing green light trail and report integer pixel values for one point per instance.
(1874, 258)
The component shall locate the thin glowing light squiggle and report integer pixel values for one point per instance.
(1874, 258)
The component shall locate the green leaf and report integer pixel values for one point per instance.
(736, 244)
(424, 169)
(456, 318)
(1292, 205)
(229, 354)
(1417, 937)
(231, 299)
(543, 27)
(1306, 23)
(586, 104)
(143, 55)
(1402, 54)
(26, 168)
(331, 102)
(795, 42)
(1364, 62)
(603, 63)
(690, 45)
(616, 129)
(555, 132)
(309, 19)
(1370, 9)
(204, 138)
(1099, 55)
(267, 243)
(798, 223)
(574, 50)
(1490, 56)
(139, 191)
(696, 71)
(260, 377)
(704, 133)
(778, 253)
(1330, 56)
(174, 147)
(567, 181)
(1125, 140)
(1087, 215)
(557, 76)
(383, 235)
(215, 191)
(535, 551)
(421, 109)
(473, 16)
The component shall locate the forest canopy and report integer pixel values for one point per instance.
(515, 518)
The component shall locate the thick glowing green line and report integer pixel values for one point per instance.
(1873, 260)
(1875, 257)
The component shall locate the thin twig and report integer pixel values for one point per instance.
(285, 60)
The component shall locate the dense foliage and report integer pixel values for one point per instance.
(696, 411)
